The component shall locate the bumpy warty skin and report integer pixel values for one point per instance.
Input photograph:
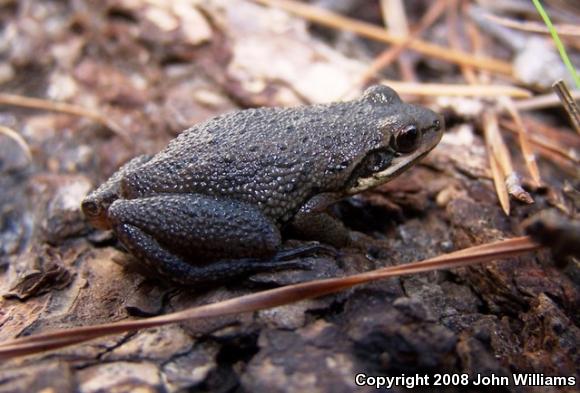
(197, 226)
(274, 158)
(212, 204)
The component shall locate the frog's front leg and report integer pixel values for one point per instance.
(321, 227)
(193, 239)
(312, 222)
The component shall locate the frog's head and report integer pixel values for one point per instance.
(95, 207)
(408, 132)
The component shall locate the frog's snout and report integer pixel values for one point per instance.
(95, 212)
(90, 208)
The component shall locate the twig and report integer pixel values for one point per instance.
(439, 89)
(546, 145)
(391, 54)
(562, 136)
(452, 20)
(542, 101)
(10, 133)
(499, 183)
(269, 298)
(506, 180)
(563, 164)
(395, 19)
(330, 19)
(523, 139)
(564, 30)
(568, 103)
(38, 103)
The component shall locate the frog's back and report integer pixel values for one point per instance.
(275, 158)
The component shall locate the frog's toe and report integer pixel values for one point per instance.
(305, 250)
(294, 264)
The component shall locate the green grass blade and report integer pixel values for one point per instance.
(558, 42)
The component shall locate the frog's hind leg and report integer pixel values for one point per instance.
(174, 268)
(194, 239)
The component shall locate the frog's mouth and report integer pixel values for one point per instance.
(430, 138)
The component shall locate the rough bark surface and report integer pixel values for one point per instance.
(155, 69)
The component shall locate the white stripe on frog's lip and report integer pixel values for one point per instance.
(399, 164)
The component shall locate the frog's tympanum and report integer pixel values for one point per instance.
(211, 206)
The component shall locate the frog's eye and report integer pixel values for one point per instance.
(407, 139)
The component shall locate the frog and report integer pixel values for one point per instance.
(213, 205)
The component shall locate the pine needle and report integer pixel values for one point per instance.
(443, 89)
(568, 30)
(523, 138)
(39, 103)
(16, 137)
(269, 298)
(336, 21)
(389, 55)
(569, 103)
(499, 183)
